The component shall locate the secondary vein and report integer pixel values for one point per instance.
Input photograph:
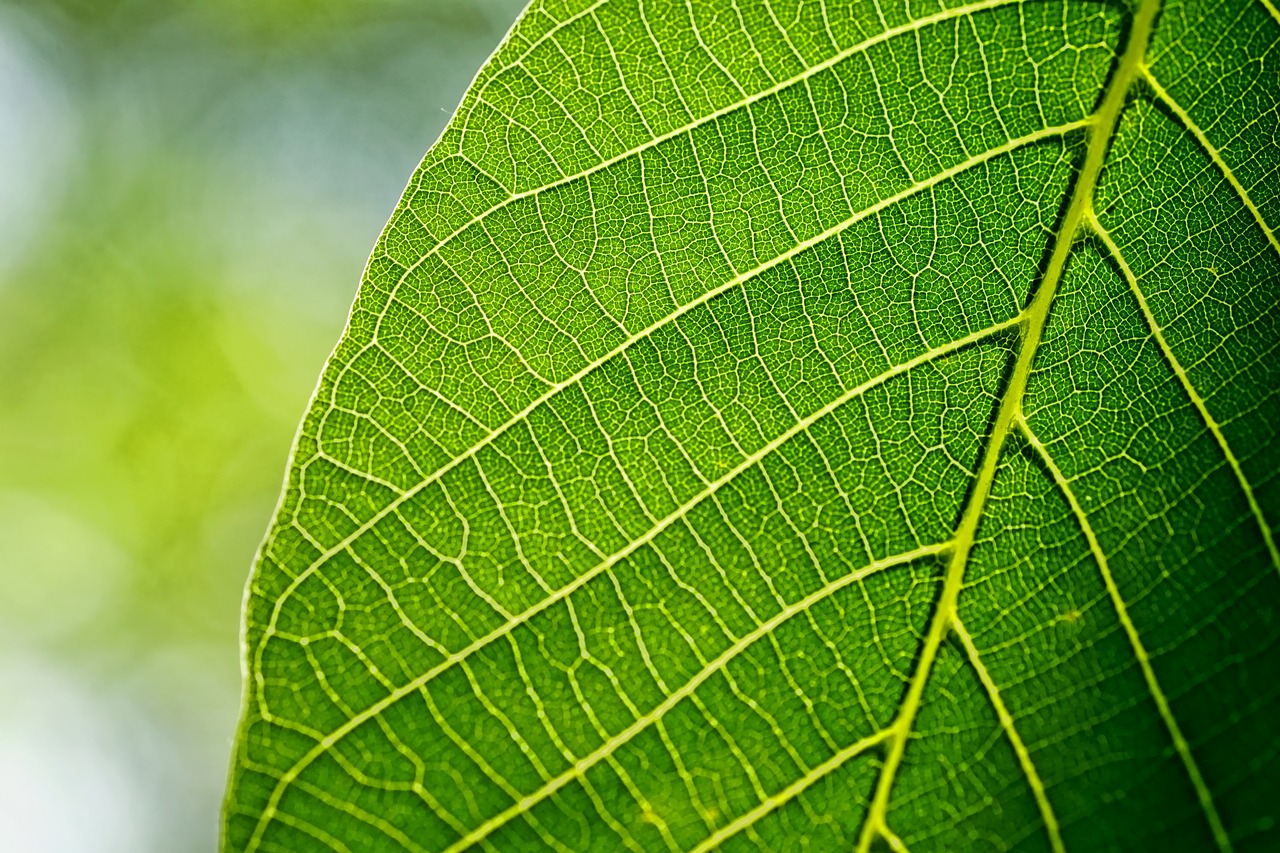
(1197, 401)
(1220, 836)
(392, 505)
(1214, 154)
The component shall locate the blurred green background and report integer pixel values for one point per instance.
(188, 194)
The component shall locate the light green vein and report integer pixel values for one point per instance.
(1101, 129)
(1135, 641)
(1216, 156)
(411, 687)
(331, 843)
(373, 821)
(1196, 400)
(1011, 732)
(1078, 217)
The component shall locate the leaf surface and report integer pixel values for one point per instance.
(799, 426)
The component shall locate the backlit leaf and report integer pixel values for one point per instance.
(799, 426)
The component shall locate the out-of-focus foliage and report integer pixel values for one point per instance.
(186, 194)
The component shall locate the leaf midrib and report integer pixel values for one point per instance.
(1079, 213)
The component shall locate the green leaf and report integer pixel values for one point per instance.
(799, 426)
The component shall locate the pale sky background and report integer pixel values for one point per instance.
(188, 194)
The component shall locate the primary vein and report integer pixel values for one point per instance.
(1101, 128)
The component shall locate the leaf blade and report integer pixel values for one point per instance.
(546, 397)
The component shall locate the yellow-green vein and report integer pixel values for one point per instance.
(1196, 400)
(687, 691)
(1135, 641)
(1216, 156)
(795, 789)
(1011, 732)
(391, 506)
